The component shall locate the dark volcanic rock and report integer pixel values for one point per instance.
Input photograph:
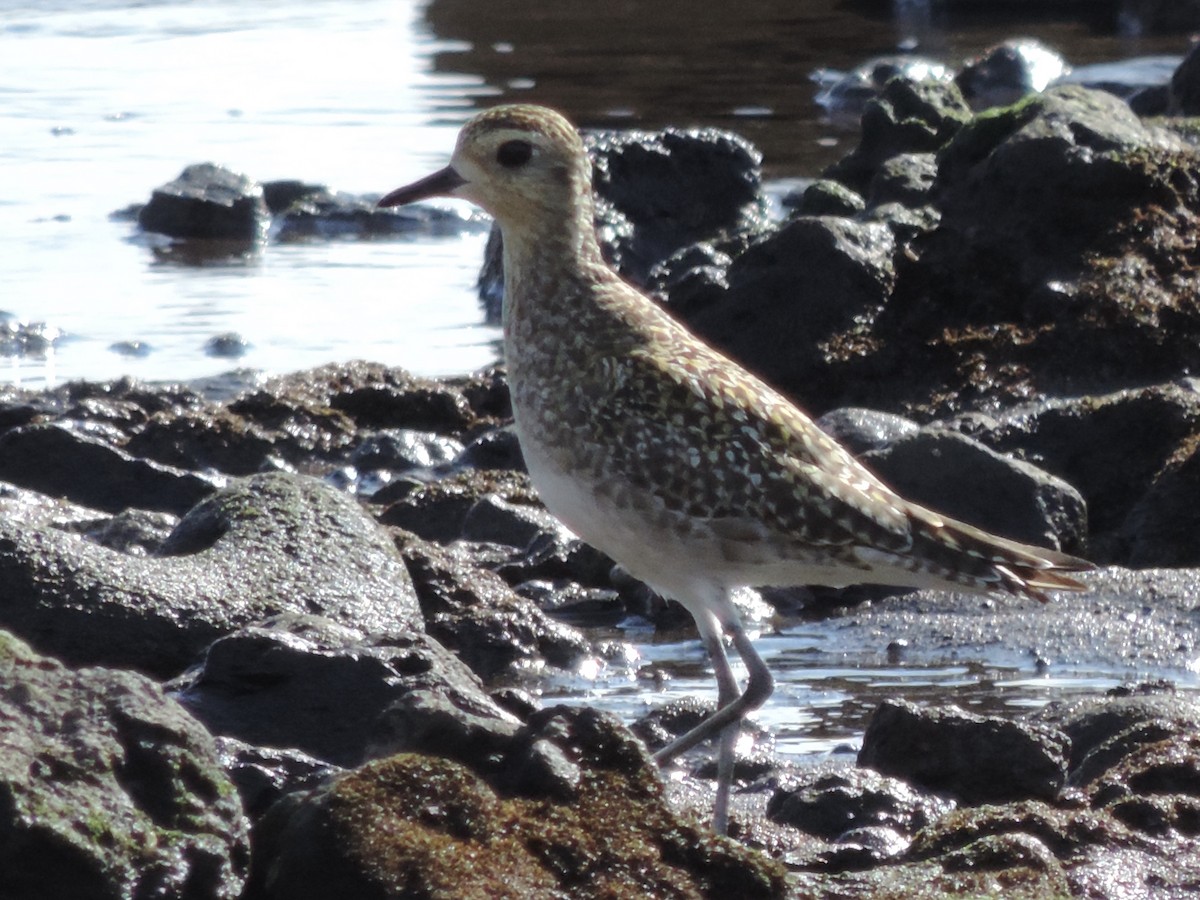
(316, 414)
(271, 544)
(829, 804)
(110, 789)
(413, 825)
(907, 117)
(1041, 249)
(1185, 85)
(70, 463)
(826, 197)
(863, 430)
(672, 188)
(312, 684)
(1007, 72)
(318, 213)
(1161, 527)
(953, 474)
(1122, 451)
(207, 202)
(845, 95)
(972, 758)
(265, 774)
(474, 613)
(438, 511)
(815, 282)
(1058, 265)
(1105, 729)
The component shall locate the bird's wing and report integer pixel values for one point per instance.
(714, 442)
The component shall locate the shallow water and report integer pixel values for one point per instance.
(105, 100)
(827, 687)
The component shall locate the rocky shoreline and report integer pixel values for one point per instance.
(263, 645)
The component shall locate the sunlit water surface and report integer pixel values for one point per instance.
(826, 688)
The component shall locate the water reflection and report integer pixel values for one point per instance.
(826, 691)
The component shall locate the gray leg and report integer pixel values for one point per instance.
(758, 688)
(732, 707)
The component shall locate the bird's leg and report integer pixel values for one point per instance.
(727, 693)
(732, 707)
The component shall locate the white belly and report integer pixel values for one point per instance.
(684, 559)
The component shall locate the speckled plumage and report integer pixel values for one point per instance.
(685, 468)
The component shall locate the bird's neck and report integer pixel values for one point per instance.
(558, 324)
(550, 264)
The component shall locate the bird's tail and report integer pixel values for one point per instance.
(972, 557)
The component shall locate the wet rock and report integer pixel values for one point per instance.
(844, 95)
(318, 413)
(227, 345)
(207, 202)
(555, 556)
(496, 448)
(674, 188)
(309, 683)
(862, 430)
(515, 524)
(132, 349)
(451, 718)
(974, 759)
(66, 462)
(281, 194)
(412, 823)
(1161, 526)
(205, 439)
(953, 474)
(1013, 297)
(33, 339)
(401, 450)
(1007, 72)
(1155, 789)
(906, 117)
(133, 532)
(270, 544)
(319, 213)
(1105, 730)
(826, 197)
(832, 804)
(753, 759)
(1122, 451)
(111, 789)
(474, 613)
(1184, 93)
(694, 277)
(1129, 825)
(906, 179)
(838, 271)
(438, 511)
(575, 604)
(263, 775)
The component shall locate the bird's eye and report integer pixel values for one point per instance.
(513, 154)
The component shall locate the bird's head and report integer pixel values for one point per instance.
(517, 162)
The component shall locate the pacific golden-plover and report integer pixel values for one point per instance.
(690, 472)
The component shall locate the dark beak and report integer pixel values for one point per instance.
(439, 184)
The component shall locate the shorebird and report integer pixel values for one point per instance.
(693, 474)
